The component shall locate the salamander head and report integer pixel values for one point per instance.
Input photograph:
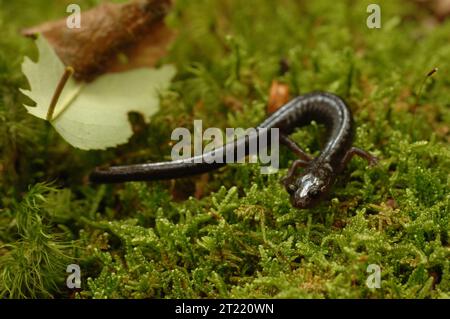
(310, 187)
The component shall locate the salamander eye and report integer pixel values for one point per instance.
(291, 188)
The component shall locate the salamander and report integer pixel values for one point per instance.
(305, 189)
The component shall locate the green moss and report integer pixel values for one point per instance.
(33, 265)
(241, 237)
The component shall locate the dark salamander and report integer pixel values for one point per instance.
(305, 190)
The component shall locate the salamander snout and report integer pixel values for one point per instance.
(310, 188)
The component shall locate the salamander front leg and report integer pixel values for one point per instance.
(361, 153)
(291, 172)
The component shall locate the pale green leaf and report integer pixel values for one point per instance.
(93, 115)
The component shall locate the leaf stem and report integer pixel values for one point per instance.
(62, 83)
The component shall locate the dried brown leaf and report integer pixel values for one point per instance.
(279, 95)
(134, 29)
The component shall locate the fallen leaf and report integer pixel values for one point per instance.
(92, 115)
(279, 95)
(147, 51)
(134, 29)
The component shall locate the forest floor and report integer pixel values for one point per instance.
(233, 233)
